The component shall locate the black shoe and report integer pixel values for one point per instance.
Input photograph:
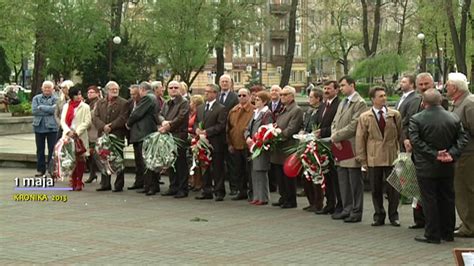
(151, 193)
(104, 189)
(134, 187)
(288, 206)
(233, 192)
(325, 211)
(427, 240)
(416, 226)
(180, 195)
(448, 238)
(376, 223)
(240, 196)
(277, 204)
(219, 198)
(90, 179)
(204, 197)
(307, 207)
(169, 193)
(142, 191)
(339, 216)
(352, 220)
(117, 190)
(395, 223)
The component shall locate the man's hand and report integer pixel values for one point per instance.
(444, 156)
(317, 133)
(407, 144)
(107, 128)
(338, 145)
(200, 131)
(71, 134)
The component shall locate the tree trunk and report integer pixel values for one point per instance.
(459, 39)
(404, 5)
(290, 53)
(39, 63)
(219, 63)
(371, 49)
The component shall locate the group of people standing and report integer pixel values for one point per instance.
(229, 120)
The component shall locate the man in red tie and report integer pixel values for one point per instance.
(377, 146)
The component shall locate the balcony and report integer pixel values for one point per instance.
(279, 9)
(279, 34)
(279, 60)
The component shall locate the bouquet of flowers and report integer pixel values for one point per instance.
(109, 154)
(160, 151)
(64, 158)
(201, 150)
(403, 176)
(264, 139)
(315, 158)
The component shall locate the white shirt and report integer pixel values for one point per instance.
(376, 111)
(211, 103)
(404, 96)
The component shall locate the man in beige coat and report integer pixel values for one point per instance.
(378, 132)
(349, 171)
(463, 106)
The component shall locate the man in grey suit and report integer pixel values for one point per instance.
(349, 173)
(229, 99)
(213, 117)
(289, 121)
(407, 86)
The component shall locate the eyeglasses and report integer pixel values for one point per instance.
(173, 88)
(242, 95)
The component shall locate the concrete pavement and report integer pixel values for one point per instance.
(130, 228)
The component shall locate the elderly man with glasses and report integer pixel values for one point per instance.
(289, 120)
(175, 114)
(237, 122)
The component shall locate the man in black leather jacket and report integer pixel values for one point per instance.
(438, 138)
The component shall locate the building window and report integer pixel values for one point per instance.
(293, 76)
(237, 76)
(237, 50)
(283, 23)
(249, 50)
(298, 49)
(298, 25)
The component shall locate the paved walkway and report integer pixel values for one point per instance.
(130, 228)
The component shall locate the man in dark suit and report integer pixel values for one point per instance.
(229, 99)
(438, 139)
(213, 116)
(142, 122)
(407, 86)
(139, 164)
(175, 117)
(275, 106)
(289, 121)
(324, 118)
(109, 116)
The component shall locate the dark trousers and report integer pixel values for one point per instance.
(229, 169)
(179, 175)
(105, 181)
(332, 192)
(40, 139)
(352, 191)
(272, 180)
(378, 184)
(314, 193)
(418, 216)
(240, 172)
(438, 206)
(139, 164)
(214, 173)
(286, 186)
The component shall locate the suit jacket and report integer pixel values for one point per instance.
(464, 108)
(309, 118)
(142, 120)
(230, 101)
(289, 120)
(177, 112)
(325, 121)
(262, 162)
(344, 125)
(80, 123)
(430, 131)
(373, 147)
(214, 122)
(277, 110)
(114, 112)
(410, 106)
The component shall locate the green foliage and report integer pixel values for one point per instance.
(22, 109)
(4, 68)
(363, 89)
(379, 65)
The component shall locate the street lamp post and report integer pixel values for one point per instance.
(260, 74)
(421, 37)
(116, 40)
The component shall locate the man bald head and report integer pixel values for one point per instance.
(431, 97)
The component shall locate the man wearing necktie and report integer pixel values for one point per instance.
(378, 132)
(349, 171)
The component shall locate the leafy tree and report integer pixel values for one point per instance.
(458, 35)
(290, 53)
(379, 65)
